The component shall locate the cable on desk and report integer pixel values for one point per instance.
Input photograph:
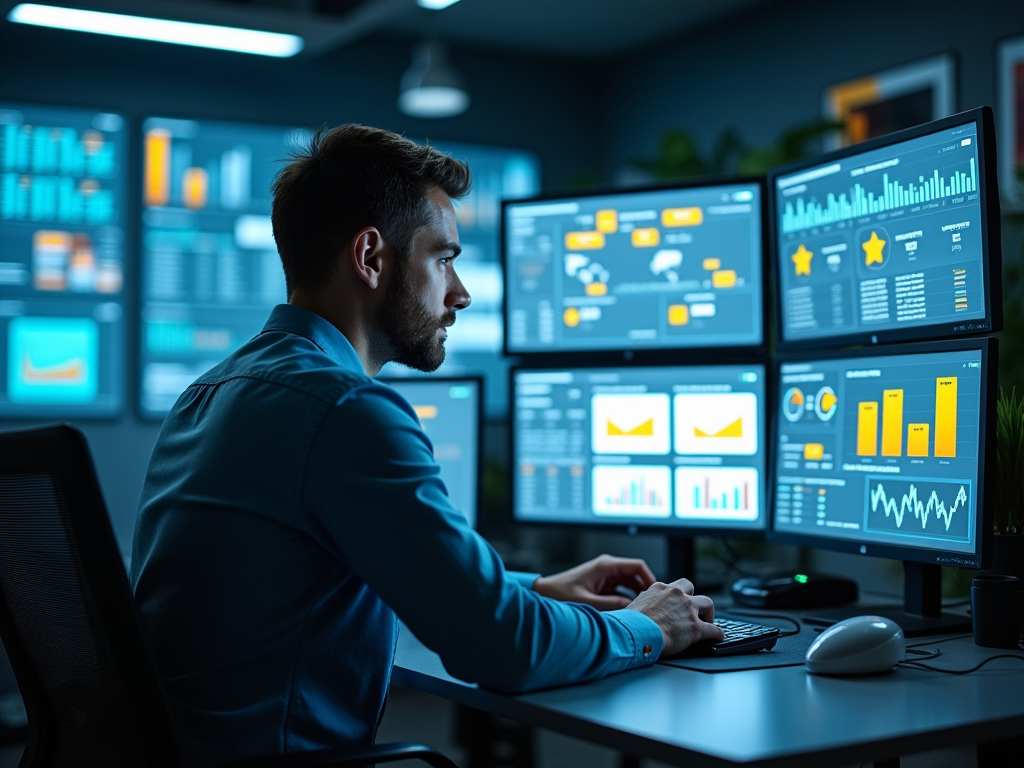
(776, 616)
(943, 640)
(975, 668)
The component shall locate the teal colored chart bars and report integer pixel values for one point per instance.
(800, 214)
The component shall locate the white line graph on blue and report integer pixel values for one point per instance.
(920, 507)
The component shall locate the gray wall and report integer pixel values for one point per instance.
(517, 102)
(764, 71)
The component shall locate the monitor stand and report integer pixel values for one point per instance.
(922, 613)
(682, 557)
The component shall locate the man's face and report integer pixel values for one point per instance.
(424, 293)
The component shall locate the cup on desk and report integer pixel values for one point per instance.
(996, 603)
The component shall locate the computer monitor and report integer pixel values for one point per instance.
(677, 449)
(210, 268)
(887, 455)
(450, 410)
(474, 345)
(63, 181)
(636, 271)
(893, 239)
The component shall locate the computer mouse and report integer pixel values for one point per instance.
(862, 645)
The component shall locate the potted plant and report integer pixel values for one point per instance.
(1008, 541)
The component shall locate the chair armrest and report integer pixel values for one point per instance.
(349, 757)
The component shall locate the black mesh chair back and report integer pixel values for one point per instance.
(67, 618)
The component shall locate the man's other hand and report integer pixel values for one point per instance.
(595, 582)
(683, 617)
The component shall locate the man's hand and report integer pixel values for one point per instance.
(683, 617)
(594, 582)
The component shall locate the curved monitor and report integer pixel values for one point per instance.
(893, 239)
(667, 447)
(886, 454)
(636, 270)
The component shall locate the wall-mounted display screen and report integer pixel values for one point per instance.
(63, 179)
(883, 451)
(210, 268)
(662, 447)
(475, 343)
(888, 242)
(652, 269)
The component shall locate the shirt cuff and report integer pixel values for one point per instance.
(524, 579)
(647, 638)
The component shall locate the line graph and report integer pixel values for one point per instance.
(941, 508)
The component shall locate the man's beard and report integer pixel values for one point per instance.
(410, 329)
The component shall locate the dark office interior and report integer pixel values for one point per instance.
(584, 98)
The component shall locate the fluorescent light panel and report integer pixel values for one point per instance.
(435, 5)
(159, 30)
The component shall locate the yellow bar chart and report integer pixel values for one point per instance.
(917, 439)
(945, 417)
(892, 422)
(867, 429)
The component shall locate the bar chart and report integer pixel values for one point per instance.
(631, 490)
(918, 433)
(717, 493)
(886, 196)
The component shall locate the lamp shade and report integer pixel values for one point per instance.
(430, 87)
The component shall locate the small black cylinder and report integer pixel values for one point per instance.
(996, 608)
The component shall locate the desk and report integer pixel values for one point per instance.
(772, 717)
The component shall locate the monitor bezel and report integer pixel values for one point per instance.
(991, 247)
(643, 526)
(643, 355)
(478, 379)
(986, 457)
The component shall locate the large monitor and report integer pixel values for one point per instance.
(475, 343)
(210, 268)
(674, 448)
(886, 455)
(449, 409)
(63, 180)
(893, 239)
(637, 270)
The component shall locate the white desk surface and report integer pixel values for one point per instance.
(779, 716)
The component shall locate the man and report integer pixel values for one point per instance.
(292, 505)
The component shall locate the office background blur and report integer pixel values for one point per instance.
(589, 87)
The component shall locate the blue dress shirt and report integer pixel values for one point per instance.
(291, 509)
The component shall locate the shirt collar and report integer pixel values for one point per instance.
(302, 322)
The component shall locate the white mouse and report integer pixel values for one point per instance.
(858, 646)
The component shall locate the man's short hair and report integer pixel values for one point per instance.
(348, 178)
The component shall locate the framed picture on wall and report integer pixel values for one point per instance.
(1010, 114)
(892, 99)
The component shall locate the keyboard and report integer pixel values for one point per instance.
(740, 637)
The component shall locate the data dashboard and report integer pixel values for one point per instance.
(63, 180)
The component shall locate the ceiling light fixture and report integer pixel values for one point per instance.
(435, 5)
(159, 30)
(430, 87)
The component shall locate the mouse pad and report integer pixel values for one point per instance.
(788, 652)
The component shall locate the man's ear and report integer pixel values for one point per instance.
(366, 251)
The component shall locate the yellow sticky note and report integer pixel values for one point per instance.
(682, 217)
(607, 221)
(723, 278)
(646, 237)
(583, 241)
(678, 314)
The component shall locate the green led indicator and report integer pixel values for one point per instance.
(802, 578)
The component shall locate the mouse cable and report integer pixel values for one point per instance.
(925, 655)
(975, 668)
(784, 633)
(943, 640)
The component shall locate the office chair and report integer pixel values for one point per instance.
(71, 630)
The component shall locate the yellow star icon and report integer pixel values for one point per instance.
(873, 249)
(802, 260)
